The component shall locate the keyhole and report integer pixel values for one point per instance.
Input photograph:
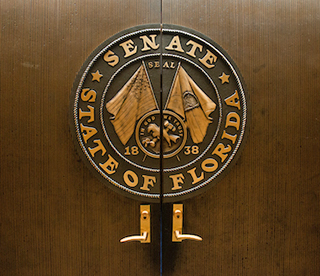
(177, 213)
(144, 214)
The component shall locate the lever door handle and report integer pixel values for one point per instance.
(136, 238)
(181, 236)
(145, 236)
(177, 224)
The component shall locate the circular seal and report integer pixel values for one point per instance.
(159, 113)
(173, 134)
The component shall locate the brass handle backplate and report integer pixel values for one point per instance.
(177, 225)
(145, 236)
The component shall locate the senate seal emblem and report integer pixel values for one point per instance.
(159, 113)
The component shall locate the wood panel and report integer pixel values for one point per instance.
(263, 218)
(56, 218)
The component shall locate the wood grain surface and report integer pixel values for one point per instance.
(56, 218)
(261, 219)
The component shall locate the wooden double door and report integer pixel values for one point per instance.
(261, 219)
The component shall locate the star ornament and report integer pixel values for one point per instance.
(224, 78)
(96, 76)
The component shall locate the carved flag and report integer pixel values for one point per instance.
(191, 103)
(133, 100)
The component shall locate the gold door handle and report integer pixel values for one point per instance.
(142, 238)
(145, 236)
(177, 224)
(181, 237)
